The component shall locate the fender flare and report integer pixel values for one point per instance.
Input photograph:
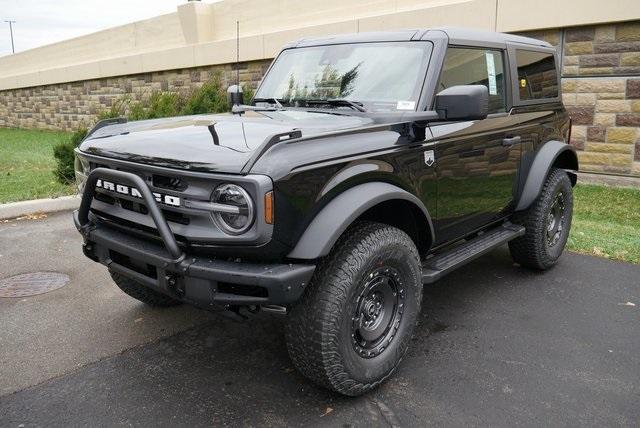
(327, 226)
(540, 167)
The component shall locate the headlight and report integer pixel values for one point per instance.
(234, 211)
(81, 167)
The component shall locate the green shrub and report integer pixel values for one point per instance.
(211, 97)
(159, 104)
(63, 153)
(118, 108)
(248, 93)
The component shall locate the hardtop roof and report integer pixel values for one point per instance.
(456, 36)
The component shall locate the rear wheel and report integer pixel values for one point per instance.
(354, 323)
(142, 293)
(547, 222)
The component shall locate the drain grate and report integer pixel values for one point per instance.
(30, 284)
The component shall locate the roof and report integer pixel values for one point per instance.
(461, 36)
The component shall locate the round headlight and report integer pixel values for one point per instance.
(240, 213)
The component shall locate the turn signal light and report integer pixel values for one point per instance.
(268, 207)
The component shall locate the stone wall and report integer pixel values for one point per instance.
(600, 80)
(69, 106)
(601, 91)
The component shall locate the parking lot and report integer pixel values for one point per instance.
(497, 345)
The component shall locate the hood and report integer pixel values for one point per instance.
(220, 143)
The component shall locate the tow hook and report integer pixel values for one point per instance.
(174, 284)
(87, 249)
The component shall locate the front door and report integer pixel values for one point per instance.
(476, 161)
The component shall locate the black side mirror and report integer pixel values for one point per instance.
(468, 102)
(235, 97)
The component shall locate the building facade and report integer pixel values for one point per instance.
(66, 85)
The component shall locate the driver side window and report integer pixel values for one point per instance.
(476, 66)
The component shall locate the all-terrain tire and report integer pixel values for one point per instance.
(320, 326)
(534, 248)
(142, 293)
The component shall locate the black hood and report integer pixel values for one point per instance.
(221, 143)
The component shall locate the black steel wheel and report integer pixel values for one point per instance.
(355, 320)
(378, 312)
(547, 222)
(555, 220)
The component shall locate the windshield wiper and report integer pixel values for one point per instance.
(337, 102)
(270, 100)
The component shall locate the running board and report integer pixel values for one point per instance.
(439, 265)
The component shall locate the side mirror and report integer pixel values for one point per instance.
(235, 96)
(463, 102)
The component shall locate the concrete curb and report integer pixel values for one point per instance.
(19, 209)
(609, 180)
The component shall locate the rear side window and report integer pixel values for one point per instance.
(537, 75)
(468, 66)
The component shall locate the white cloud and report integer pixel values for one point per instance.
(42, 22)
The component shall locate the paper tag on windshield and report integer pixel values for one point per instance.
(491, 72)
(406, 105)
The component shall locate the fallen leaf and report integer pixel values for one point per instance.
(34, 216)
(326, 412)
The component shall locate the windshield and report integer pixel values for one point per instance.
(376, 76)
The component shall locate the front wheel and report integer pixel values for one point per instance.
(354, 323)
(547, 222)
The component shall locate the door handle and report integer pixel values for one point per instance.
(510, 141)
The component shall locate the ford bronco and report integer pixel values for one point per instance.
(365, 166)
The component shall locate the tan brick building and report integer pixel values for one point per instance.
(65, 85)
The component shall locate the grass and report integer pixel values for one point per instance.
(27, 164)
(606, 222)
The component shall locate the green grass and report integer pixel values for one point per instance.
(606, 222)
(27, 164)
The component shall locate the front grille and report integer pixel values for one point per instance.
(192, 225)
(132, 227)
(171, 183)
(105, 198)
(175, 217)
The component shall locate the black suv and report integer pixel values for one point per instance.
(365, 166)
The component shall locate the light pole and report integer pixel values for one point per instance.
(13, 49)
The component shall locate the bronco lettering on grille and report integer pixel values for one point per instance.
(109, 186)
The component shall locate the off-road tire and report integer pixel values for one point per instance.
(532, 249)
(319, 327)
(142, 293)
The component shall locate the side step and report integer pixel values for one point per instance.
(441, 264)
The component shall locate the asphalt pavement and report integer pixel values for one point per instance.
(497, 345)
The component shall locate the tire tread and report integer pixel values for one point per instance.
(311, 333)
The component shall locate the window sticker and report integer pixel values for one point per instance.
(491, 72)
(406, 105)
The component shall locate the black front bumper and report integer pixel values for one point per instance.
(204, 282)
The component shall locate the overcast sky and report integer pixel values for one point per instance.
(41, 22)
